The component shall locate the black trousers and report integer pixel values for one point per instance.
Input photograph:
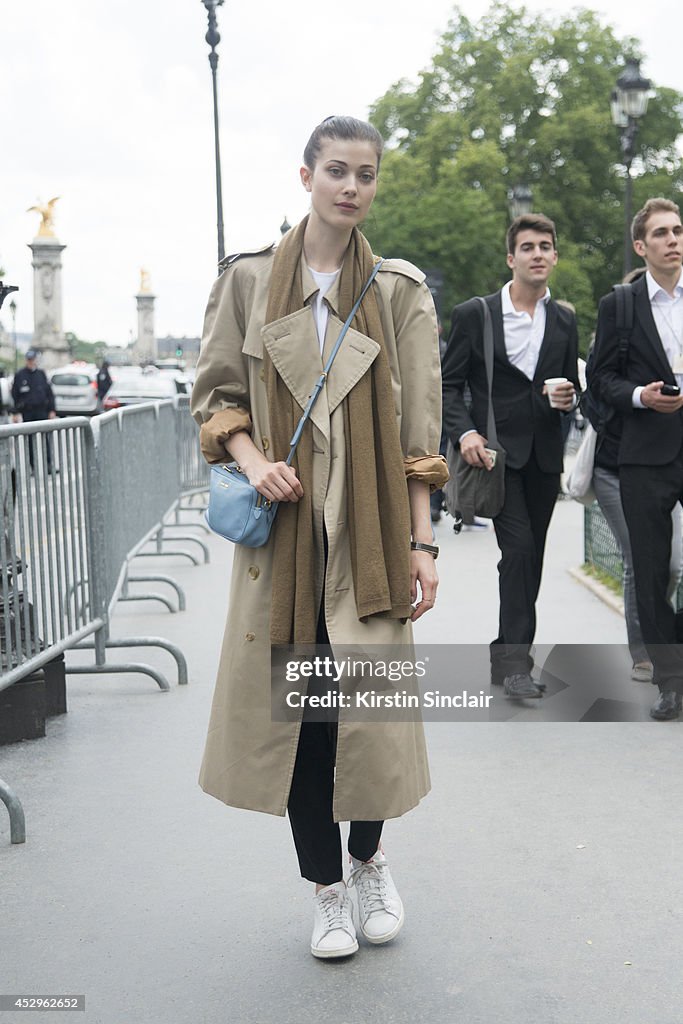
(648, 495)
(32, 416)
(317, 836)
(521, 529)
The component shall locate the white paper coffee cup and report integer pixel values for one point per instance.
(550, 384)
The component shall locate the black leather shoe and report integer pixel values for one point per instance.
(667, 705)
(521, 686)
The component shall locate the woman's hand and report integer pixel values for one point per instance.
(423, 571)
(274, 480)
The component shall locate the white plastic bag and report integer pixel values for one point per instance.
(580, 481)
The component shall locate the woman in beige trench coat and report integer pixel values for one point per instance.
(351, 549)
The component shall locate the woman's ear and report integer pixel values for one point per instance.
(306, 175)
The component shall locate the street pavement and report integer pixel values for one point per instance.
(541, 877)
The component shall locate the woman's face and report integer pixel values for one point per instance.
(343, 182)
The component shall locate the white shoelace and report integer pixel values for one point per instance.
(335, 910)
(371, 884)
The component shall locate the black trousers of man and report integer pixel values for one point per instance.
(317, 836)
(32, 415)
(648, 495)
(521, 529)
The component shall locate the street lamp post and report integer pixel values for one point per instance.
(520, 201)
(213, 39)
(5, 290)
(628, 103)
(13, 311)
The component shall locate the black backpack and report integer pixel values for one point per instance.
(596, 411)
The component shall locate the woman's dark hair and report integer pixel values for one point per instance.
(348, 128)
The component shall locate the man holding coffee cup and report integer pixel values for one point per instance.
(535, 380)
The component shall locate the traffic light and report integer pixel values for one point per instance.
(179, 351)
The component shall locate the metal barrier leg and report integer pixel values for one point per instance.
(151, 597)
(146, 670)
(125, 595)
(167, 554)
(177, 521)
(195, 540)
(17, 821)
(161, 579)
(148, 641)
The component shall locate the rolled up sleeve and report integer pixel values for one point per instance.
(429, 469)
(417, 345)
(220, 396)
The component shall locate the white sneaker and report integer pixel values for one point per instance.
(380, 910)
(334, 933)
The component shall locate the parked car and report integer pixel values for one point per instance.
(146, 387)
(75, 389)
(183, 383)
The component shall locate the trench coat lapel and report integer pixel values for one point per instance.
(292, 344)
(356, 354)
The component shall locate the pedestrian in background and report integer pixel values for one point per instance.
(33, 400)
(104, 382)
(608, 427)
(645, 391)
(534, 340)
(340, 566)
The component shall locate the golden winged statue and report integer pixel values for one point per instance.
(47, 212)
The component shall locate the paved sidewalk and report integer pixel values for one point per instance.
(540, 877)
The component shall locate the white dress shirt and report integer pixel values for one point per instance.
(667, 313)
(523, 333)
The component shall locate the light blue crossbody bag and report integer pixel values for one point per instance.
(236, 510)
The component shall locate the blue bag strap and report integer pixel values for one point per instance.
(320, 383)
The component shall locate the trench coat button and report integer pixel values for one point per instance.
(266, 443)
(262, 375)
(254, 572)
(250, 636)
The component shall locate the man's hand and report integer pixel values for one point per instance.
(52, 415)
(563, 396)
(652, 398)
(473, 451)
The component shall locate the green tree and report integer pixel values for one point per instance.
(517, 97)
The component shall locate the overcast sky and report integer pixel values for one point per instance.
(107, 104)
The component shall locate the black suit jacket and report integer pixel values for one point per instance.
(525, 422)
(648, 437)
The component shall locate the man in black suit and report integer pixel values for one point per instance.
(651, 449)
(534, 339)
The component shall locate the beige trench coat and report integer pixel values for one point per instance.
(381, 770)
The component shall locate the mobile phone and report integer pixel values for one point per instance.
(492, 454)
(670, 389)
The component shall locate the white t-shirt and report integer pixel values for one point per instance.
(321, 312)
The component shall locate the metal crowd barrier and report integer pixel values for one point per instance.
(602, 551)
(46, 585)
(599, 544)
(79, 499)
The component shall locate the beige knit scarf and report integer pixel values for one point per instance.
(376, 490)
